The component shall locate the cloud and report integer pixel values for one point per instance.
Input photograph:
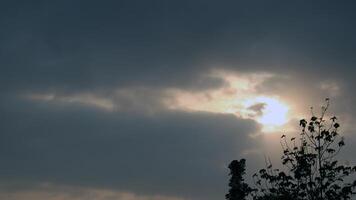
(257, 109)
(56, 192)
(90, 92)
(169, 153)
(128, 43)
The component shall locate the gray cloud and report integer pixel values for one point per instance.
(75, 47)
(59, 192)
(170, 153)
(257, 109)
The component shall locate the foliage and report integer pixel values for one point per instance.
(312, 171)
(238, 188)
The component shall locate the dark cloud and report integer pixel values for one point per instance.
(79, 47)
(175, 153)
(257, 109)
(74, 45)
(84, 45)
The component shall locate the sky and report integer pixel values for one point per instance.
(151, 99)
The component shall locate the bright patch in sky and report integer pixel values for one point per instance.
(240, 97)
(270, 112)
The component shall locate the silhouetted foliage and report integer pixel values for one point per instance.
(312, 172)
(239, 190)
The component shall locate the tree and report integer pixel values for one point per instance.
(311, 169)
(239, 190)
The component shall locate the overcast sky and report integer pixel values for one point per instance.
(151, 100)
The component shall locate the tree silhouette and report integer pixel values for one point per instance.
(311, 169)
(239, 190)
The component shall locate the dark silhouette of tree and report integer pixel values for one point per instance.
(239, 190)
(312, 171)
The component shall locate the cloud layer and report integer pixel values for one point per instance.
(168, 153)
(91, 93)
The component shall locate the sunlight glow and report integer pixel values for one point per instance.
(270, 112)
(241, 97)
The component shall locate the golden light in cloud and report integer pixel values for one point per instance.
(270, 112)
(85, 99)
(240, 97)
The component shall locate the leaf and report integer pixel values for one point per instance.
(330, 150)
(336, 125)
(302, 122)
(333, 118)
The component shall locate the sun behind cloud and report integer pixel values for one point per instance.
(268, 111)
(241, 98)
